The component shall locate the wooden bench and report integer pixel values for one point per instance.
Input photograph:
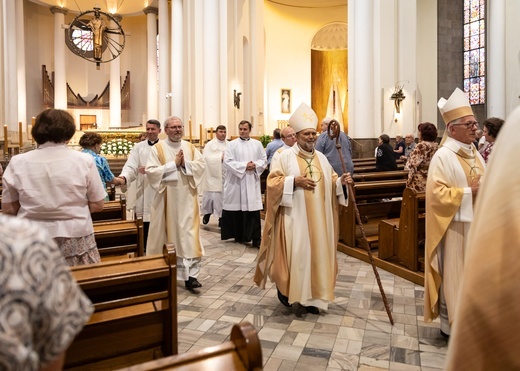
(399, 238)
(120, 237)
(241, 352)
(372, 168)
(112, 211)
(380, 175)
(135, 317)
(375, 201)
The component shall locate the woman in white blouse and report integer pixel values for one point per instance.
(57, 187)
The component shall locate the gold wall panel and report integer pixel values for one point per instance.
(327, 65)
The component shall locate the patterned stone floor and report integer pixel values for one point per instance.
(355, 333)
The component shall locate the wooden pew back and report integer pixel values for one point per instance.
(380, 175)
(120, 237)
(135, 317)
(242, 352)
(112, 211)
(411, 227)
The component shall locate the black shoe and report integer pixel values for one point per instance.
(192, 283)
(445, 335)
(219, 222)
(312, 310)
(256, 243)
(283, 299)
(205, 219)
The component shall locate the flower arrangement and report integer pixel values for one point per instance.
(116, 147)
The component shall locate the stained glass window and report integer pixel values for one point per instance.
(83, 40)
(475, 50)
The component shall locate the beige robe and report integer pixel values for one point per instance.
(449, 212)
(177, 194)
(486, 330)
(298, 250)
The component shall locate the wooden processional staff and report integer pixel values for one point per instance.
(333, 132)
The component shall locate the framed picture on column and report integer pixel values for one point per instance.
(285, 99)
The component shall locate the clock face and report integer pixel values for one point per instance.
(95, 36)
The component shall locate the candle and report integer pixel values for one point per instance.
(20, 136)
(211, 132)
(33, 121)
(5, 141)
(189, 123)
(200, 141)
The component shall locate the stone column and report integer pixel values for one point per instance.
(115, 82)
(151, 62)
(211, 63)
(177, 58)
(164, 67)
(60, 71)
(496, 74)
(20, 65)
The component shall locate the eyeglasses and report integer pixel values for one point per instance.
(469, 125)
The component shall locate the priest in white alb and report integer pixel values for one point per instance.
(452, 186)
(298, 250)
(175, 169)
(213, 155)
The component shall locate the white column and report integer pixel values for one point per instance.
(151, 62)
(225, 89)
(177, 58)
(10, 81)
(211, 64)
(60, 71)
(257, 68)
(20, 65)
(115, 82)
(361, 69)
(164, 68)
(496, 74)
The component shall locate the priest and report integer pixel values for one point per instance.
(451, 189)
(298, 250)
(175, 169)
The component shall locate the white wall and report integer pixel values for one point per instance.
(512, 55)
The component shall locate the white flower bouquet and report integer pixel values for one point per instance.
(116, 147)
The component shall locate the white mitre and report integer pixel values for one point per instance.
(303, 118)
(455, 107)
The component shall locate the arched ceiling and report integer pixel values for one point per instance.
(121, 7)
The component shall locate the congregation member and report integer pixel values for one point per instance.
(298, 251)
(42, 308)
(213, 155)
(409, 142)
(399, 146)
(175, 169)
(385, 158)
(327, 146)
(486, 330)
(419, 161)
(491, 128)
(57, 187)
(289, 138)
(451, 189)
(91, 143)
(134, 173)
(244, 161)
(273, 146)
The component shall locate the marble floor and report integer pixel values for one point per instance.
(355, 333)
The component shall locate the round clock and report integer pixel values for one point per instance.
(91, 36)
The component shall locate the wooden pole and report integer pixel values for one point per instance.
(20, 135)
(211, 133)
(200, 141)
(6, 141)
(189, 124)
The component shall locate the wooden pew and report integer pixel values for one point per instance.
(399, 238)
(120, 237)
(112, 211)
(373, 207)
(380, 175)
(135, 317)
(365, 168)
(242, 352)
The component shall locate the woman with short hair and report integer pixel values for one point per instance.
(57, 187)
(491, 128)
(419, 160)
(385, 158)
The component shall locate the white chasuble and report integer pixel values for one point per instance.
(298, 250)
(449, 213)
(241, 186)
(175, 209)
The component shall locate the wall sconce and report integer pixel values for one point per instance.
(236, 99)
(398, 96)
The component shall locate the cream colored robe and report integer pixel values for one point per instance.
(176, 190)
(213, 179)
(298, 250)
(449, 213)
(486, 330)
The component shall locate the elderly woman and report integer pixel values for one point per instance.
(491, 128)
(419, 160)
(91, 143)
(57, 187)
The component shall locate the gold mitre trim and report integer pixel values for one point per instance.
(456, 114)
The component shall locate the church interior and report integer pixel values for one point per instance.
(376, 66)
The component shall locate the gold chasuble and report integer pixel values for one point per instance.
(298, 250)
(449, 213)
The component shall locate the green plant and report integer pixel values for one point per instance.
(265, 139)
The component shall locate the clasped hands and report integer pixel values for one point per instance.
(309, 184)
(250, 166)
(179, 158)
